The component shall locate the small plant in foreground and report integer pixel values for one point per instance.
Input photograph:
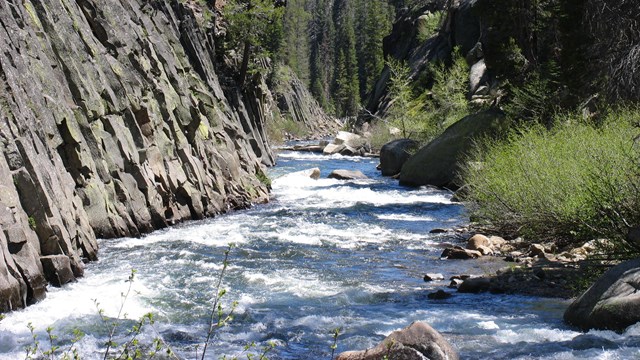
(131, 347)
(334, 346)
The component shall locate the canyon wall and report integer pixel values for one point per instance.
(114, 122)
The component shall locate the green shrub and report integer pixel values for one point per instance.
(380, 135)
(429, 25)
(575, 182)
(425, 115)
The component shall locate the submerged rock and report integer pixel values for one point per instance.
(418, 341)
(612, 302)
(439, 295)
(433, 277)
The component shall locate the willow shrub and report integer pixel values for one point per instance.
(574, 183)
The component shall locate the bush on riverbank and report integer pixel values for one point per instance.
(576, 182)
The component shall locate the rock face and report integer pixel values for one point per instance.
(439, 161)
(394, 154)
(418, 341)
(612, 302)
(113, 122)
(297, 103)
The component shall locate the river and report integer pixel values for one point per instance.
(324, 254)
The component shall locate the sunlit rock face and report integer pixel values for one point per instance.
(113, 122)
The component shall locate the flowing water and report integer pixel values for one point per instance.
(323, 254)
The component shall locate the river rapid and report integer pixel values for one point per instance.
(324, 254)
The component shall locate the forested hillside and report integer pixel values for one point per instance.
(335, 47)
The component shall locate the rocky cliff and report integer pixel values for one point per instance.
(113, 122)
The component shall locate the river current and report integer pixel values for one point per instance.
(323, 254)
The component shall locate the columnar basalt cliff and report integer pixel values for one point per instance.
(113, 122)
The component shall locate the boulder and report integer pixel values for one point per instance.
(475, 285)
(394, 154)
(459, 253)
(478, 240)
(347, 175)
(612, 302)
(439, 295)
(315, 173)
(346, 143)
(633, 237)
(537, 250)
(331, 149)
(439, 161)
(418, 341)
(477, 76)
(433, 277)
(497, 242)
(485, 250)
(455, 283)
(57, 269)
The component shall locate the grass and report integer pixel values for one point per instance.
(574, 183)
(282, 128)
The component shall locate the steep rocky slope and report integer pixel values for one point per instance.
(113, 122)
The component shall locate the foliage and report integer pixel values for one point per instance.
(335, 333)
(295, 48)
(613, 44)
(576, 182)
(283, 128)
(345, 52)
(264, 179)
(32, 222)
(426, 115)
(255, 26)
(429, 25)
(535, 99)
(372, 24)
(406, 112)
(380, 135)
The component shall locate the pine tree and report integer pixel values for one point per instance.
(295, 48)
(345, 80)
(255, 26)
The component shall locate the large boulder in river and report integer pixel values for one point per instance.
(346, 143)
(418, 341)
(612, 302)
(394, 154)
(347, 175)
(439, 161)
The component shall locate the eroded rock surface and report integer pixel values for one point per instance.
(113, 122)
